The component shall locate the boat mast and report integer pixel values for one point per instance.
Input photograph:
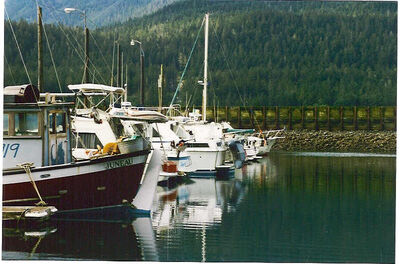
(205, 69)
(40, 50)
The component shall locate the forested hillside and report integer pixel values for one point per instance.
(269, 53)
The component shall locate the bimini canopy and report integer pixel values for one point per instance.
(95, 88)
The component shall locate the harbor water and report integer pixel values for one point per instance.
(287, 207)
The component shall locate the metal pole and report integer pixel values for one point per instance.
(205, 70)
(160, 88)
(118, 65)
(126, 83)
(122, 69)
(86, 70)
(141, 75)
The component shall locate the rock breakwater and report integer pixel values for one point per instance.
(338, 141)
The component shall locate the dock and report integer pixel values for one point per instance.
(28, 212)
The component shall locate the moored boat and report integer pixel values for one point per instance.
(39, 168)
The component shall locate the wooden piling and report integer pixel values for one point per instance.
(341, 118)
(355, 121)
(239, 117)
(382, 115)
(328, 109)
(251, 116)
(290, 118)
(368, 118)
(276, 117)
(316, 118)
(264, 113)
(302, 117)
(226, 114)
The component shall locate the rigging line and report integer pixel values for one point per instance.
(76, 40)
(9, 68)
(19, 49)
(52, 59)
(233, 78)
(100, 14)
(213, 89)
(101, 53)
(184, 70)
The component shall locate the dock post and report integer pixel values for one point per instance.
(341, 118)
(316, 118)
(239, 117)
(251, 116)
(302, 117)
(276, 117)
(328, 109)
(290, 118)
(264, 118)
(382, 114)
(368, 118)
(226, 114)
(355, 118)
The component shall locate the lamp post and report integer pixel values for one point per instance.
(141, 91)
(69, 10)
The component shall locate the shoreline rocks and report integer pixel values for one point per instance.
(338, 141)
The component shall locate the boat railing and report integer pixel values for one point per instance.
(274, 133)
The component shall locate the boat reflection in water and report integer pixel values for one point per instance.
(82, 240)
(262, 171)
(199, 203)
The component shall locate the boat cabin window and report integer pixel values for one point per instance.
(57, 123)
(21, 124)
(197, 145)
(155, 133)
(26, 124)
(5, 124)
(87, 140)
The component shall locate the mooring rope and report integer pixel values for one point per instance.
(27, 167)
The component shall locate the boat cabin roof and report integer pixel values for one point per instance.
(95, 88)
(27, 97)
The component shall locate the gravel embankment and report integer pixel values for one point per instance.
(338, 141)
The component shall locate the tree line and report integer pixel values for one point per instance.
(260, 53)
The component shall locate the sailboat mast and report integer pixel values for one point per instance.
(205, 69)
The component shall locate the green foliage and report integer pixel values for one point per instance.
(260, 53)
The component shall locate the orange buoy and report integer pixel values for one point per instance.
(169, 166)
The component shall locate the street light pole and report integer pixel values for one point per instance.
(141, 90)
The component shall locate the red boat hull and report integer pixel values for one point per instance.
(98, 188)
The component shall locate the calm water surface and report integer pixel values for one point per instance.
(288, 207)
